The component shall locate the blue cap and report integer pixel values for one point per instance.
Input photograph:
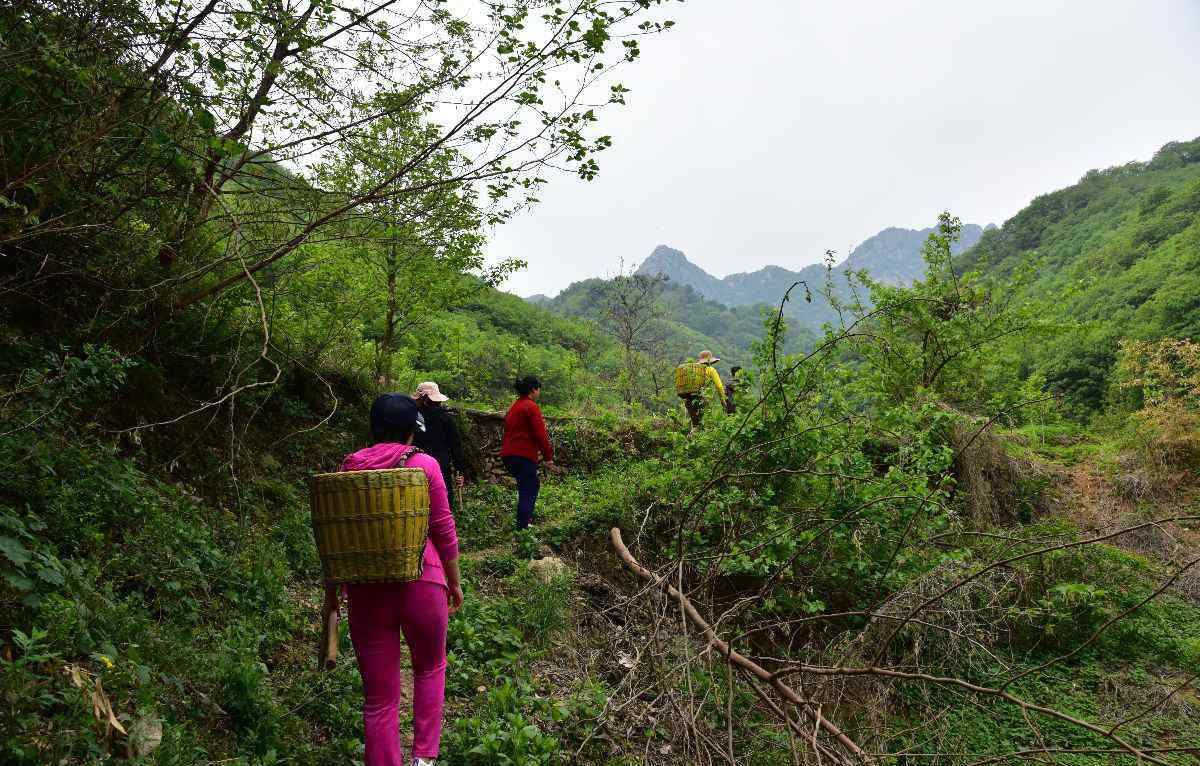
(395, 412)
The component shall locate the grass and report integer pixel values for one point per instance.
(570, 506)
(1065, 444)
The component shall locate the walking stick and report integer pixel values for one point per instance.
(458, 500)
(327, 650)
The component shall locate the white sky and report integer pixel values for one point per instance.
(766, 131)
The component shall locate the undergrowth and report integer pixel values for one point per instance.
(188, 604)
(185, 596)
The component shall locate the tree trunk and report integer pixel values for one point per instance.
(387, 344)
(630, 371)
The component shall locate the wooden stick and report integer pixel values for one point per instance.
(327, 652)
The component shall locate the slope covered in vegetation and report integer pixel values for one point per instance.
(1115, 256)
(848, 520)
(688, 321)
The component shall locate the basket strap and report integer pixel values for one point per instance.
(415, 450)
(408, 453)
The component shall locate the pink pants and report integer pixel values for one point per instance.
(379, 614)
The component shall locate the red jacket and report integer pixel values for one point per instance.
(525, 431)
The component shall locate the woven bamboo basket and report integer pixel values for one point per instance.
(370, 526)
(689, 378)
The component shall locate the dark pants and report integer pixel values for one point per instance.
(525, 472)
(694, 405)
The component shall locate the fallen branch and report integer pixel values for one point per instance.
(722, 648)
(792, 725)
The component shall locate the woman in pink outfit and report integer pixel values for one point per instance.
(384, 614)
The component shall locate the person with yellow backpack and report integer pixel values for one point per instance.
(690, 379)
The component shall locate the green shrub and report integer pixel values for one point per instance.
(245, 693)
(40, 705)
(483, 642)
(512, 722)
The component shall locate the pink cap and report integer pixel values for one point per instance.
(429, 389)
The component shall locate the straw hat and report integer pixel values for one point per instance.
(706, 357)
(430, 390)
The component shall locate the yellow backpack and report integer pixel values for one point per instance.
(689, 378)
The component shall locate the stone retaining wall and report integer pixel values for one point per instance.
(579, 443)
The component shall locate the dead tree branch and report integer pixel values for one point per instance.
(722, 648)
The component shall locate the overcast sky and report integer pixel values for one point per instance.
(766, 131)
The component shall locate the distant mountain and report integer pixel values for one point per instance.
(675, 266)
(892, 256)
(727, 313)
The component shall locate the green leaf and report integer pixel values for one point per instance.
(205, 119)
(51, 575)
(14, 551)
(18, 581)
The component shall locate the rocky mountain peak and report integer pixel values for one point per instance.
(892, 256)
(665, 255)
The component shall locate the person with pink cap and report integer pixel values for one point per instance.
(440, 437)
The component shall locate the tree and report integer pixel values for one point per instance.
(631, 311)
(169, 127)
(414, 249)
(938, 334)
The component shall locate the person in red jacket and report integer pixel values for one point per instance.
(524, 437)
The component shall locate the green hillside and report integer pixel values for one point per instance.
(1114, 256)
(479, 347)
(690, 322)
(476, 350)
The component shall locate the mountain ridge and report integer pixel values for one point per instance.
(892, 256)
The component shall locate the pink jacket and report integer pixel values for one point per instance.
(442, 532)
